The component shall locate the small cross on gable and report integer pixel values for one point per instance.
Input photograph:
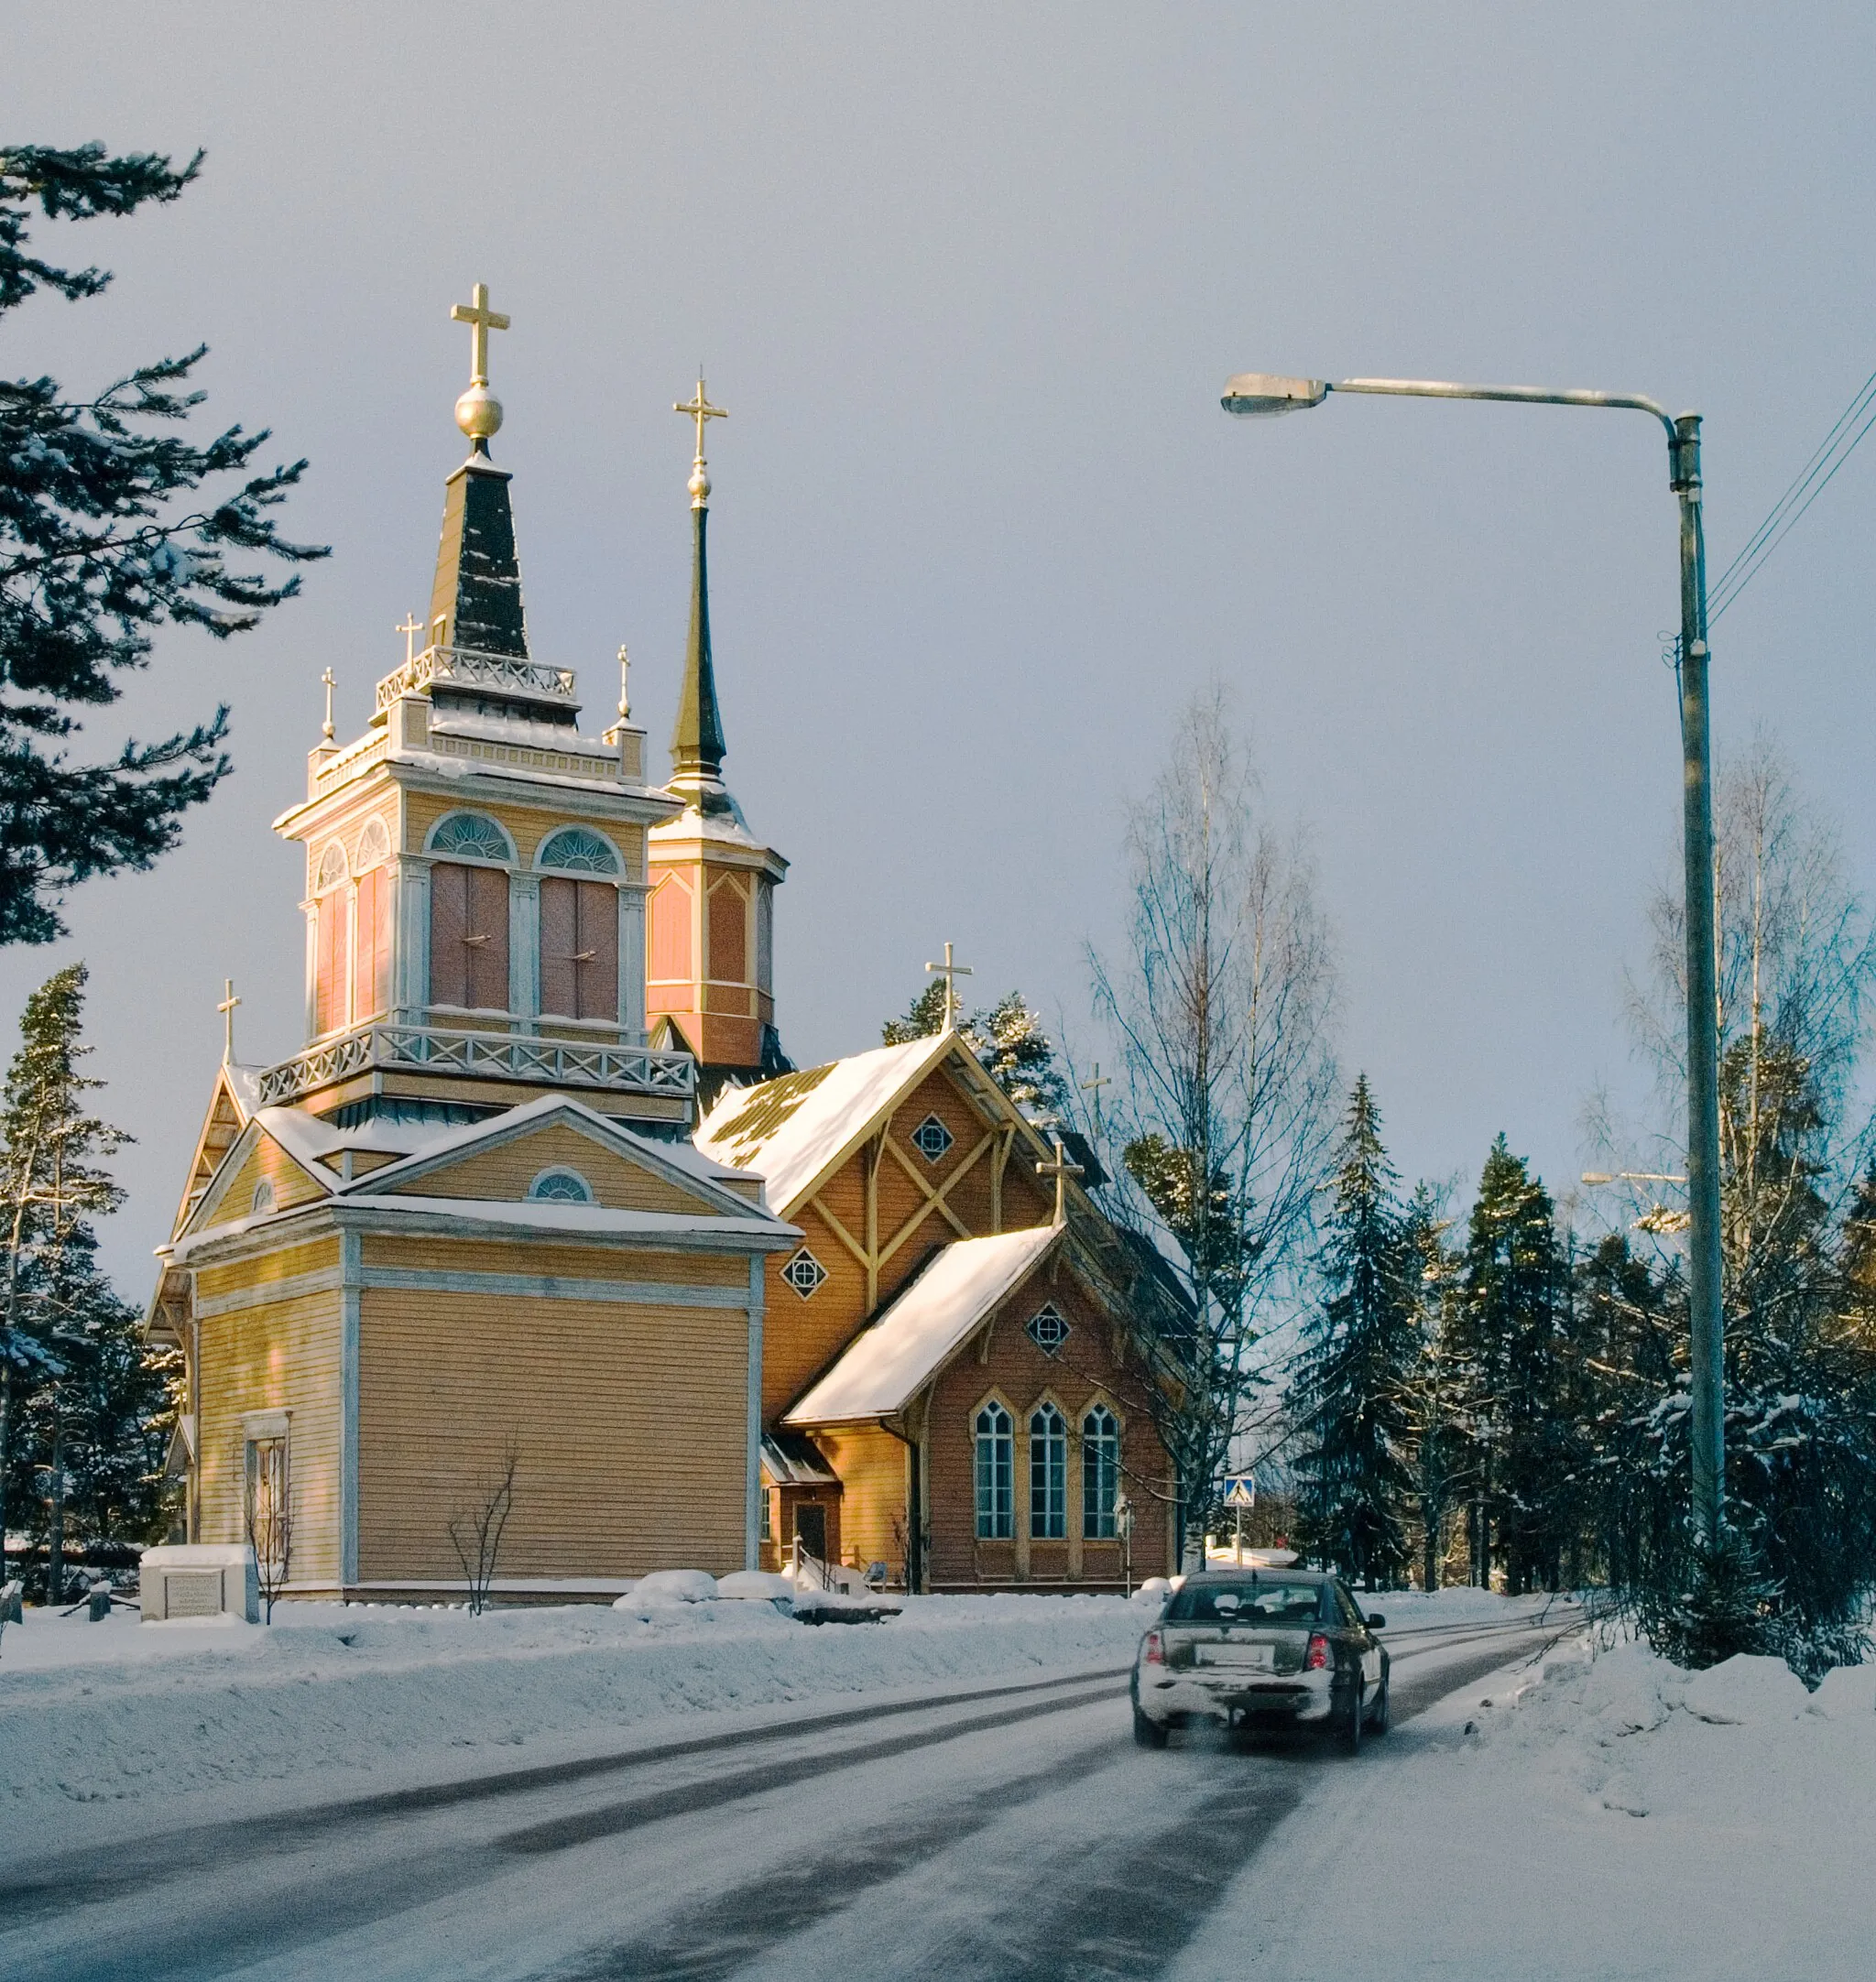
(227, 1009)
(1061, 1169)
(951, 972)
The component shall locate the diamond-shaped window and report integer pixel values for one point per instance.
(805, 1273)
(931, 1139)
(1048, 1330)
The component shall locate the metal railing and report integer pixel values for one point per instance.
(496, 1056)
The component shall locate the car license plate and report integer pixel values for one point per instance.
(1242, 1658)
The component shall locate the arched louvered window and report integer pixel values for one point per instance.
(579, 948)
(332, 942)
(578, 850)
(561, 1186)
(371, 944)
(996, 1466)
(1100, 1473)
(469, 836)
(1048, 1473)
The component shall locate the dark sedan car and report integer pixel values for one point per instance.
(1262, 1647)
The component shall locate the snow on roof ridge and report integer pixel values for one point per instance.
(931, 1318)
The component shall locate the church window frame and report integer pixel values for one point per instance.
(263, 1200)
(993, 1431)
(465, 835)
(560, 1183)
(805, 1273)
(1048, 1473)
(579, 850)
(1049, 1329)
(373, 847)
(1100, 1474)
(334, 869)
(267, 1491)
(932, 1141)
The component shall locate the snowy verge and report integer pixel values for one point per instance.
(1610, 1815)
(361, 1695)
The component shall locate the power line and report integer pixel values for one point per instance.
(1810, 483)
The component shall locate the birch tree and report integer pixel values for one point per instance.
(1220, 1004)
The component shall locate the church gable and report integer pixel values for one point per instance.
(555, 1161)
(221, 1129)
(257, 1177)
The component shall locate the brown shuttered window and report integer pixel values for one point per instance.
(329, 987)
(371, 973)
(469, 937)
(671, 932)
(580, 950)
(729, 934)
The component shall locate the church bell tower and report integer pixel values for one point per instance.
(711, 975)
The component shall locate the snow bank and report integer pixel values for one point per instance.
(115, 1712)
(1622, 1817)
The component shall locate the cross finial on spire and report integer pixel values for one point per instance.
(951, 972)
(1061, 1169)
(700, 409)
(227, 1009)
(481, 321)
(330, 684)
(1094, 1087)
(409, 627)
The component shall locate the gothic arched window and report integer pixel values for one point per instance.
(1048, 1473)
(996, 1521)
(1100, 1473)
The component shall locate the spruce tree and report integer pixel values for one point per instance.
(1442, 1452)
(112, 526)
(77, 1396)
(1007, 1038)
(1354, 1394)
(1505, 1341)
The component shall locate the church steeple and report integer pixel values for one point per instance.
(697, 748)
(476, 602)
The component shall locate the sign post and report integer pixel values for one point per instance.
(1240, 1492)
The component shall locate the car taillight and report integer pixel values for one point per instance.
(1317, 1656)
(1153, 1652)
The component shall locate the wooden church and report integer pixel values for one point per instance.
(476, 1229)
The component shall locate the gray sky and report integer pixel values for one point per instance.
(969, 280)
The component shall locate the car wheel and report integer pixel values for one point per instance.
(1377, 1722)
(1148, 1733)
(1352, 1721)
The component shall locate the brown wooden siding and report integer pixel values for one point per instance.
(630, 1425)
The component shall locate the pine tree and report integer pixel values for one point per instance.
(1505, 1341)
(77, 1396)
(924, 1017)
(1443, 1474)
(1354, 1395)
(107, 532)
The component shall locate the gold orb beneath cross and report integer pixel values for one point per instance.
(479, 413)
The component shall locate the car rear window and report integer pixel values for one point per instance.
(1255, 1600)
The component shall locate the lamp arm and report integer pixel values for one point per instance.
(1427, 389)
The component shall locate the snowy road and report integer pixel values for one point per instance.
(998, 1832)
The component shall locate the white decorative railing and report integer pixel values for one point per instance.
(494, 1056)
(471, 669)
(355, 759)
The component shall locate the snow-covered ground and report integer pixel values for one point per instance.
(345, 1698)
(1609, 1816)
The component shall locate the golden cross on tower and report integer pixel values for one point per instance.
(227, 1009)
(409, 627)
(481, 320)
(1061, 1169)
(700, 409)
(331, 683)
(951, 972)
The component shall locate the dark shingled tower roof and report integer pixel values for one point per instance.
(696, 744)
(478, 576)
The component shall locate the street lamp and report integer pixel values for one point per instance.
(1265, 395)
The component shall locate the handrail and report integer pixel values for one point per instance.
(508, 673)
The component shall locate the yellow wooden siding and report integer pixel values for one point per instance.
(630, 1426)
(265, 1161)
(801, 1338)
(267, 1269)
(560, 1262)
(285, 1357)
(528, 826)
(506, 1172)
(871, 1465)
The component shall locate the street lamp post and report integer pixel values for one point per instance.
(1261, 395)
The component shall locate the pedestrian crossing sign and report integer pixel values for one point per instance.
(1240, 1490)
